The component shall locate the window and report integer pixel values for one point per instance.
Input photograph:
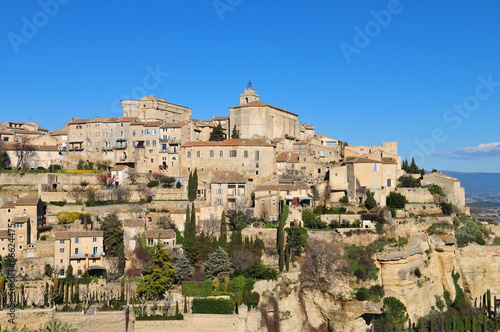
(218, 191)
(61, 241)
(61, 273)
(94, 260)
(245, 154)
(61, 250)
(257, 155)
(375, 167)
(78, 261)
(221, 153)
(212, 153)
(134, 133)
(150, 242)
(61, 261)
(389, 182)
(94, 239)
(189, 154)
(262, 202)
(274, 202)
(24, 212)
(198, 154)
(232, 153)
(148, 143)
(389, 170)
(76, 240)
(8, 210)
(154, 142)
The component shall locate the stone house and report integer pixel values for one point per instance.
(83, 250)
(166, 236)
(229, 189)
(23, 215)
(450, 185)
(269, 195)
(378, 176)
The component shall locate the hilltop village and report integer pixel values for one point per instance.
(247, 222)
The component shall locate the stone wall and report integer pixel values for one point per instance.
(195, 322)
(418, 195)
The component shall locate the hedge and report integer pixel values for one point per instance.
(213, 306)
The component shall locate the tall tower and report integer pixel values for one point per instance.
(249, 95)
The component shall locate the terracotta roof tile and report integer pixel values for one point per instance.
(66, 235)
(160, 233)
(227, 177)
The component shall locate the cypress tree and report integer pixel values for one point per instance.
(223, 231)
(185, 305)
(281, 236)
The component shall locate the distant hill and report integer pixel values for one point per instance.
(478, 184)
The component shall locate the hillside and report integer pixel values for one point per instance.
(479, 186)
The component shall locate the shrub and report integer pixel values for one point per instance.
(152, 184)
(436, 190)
(362, 294)
(212, 306)
(344, 200)
(408, 181)
(447, 208)
(58, 203)
(396, 200)
(370, 202)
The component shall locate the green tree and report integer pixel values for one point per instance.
(4, 157)
(219, 265)
(396, 200)
(223, 231)
(167, 181)
(217, 134)
(190, 234)
(69, 272)
(296, 241)
(436, 190)
(183, 267)
(235, 133)
(370, 202)
(160, 274)
(394, 316)
(408, 181)
(280, 235)
(113, 238)
(193, 185)
(238, 219)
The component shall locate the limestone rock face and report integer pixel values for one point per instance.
(417, 274)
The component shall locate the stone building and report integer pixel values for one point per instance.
(83, 250)
(450, 185)
(229, 189)
(378, 176)
(269, 195)
(23, 215)
(255, 119)
(254, 158)
(151, 108)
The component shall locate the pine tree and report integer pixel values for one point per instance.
(223, 231)
(217, 134)
(219, 265)
(235, 133)
(160, 275)
(184, 269)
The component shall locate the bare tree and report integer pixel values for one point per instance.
(78, 193)
(121, 194)
(133, 176)
(322, 266)
(24, 151)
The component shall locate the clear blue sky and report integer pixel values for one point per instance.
(363, 71)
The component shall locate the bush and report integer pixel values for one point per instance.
(396, 201)
(436, 190)
(344, 200)
(152, 184)
(370, 202)
(212, 306)
(447, 208)
(58, 203)
(408, 181)
(362, 294)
